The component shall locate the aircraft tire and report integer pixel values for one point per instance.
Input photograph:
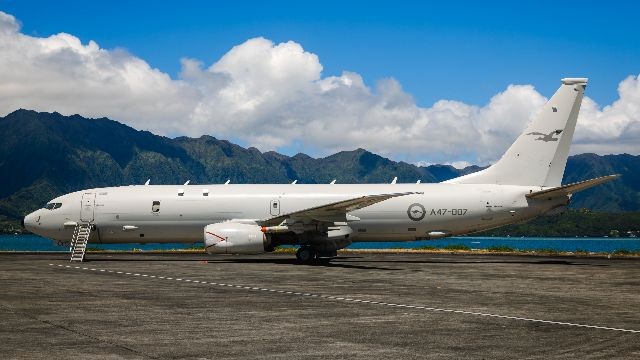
(305, 254)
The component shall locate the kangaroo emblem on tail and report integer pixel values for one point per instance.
(546, 137)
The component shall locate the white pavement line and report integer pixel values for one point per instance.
(337, 298)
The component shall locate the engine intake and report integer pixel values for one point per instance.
(234, 238)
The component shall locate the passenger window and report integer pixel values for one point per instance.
(155, 207)
(275, 205)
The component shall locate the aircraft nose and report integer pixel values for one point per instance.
(29, 222)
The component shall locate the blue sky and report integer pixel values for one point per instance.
(446, 50)
(451, 82)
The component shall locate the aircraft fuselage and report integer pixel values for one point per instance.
(169, 213)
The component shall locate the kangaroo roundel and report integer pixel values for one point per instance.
(416, 212)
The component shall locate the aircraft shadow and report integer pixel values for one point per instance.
(219, 260)
(350, 262)
(480, 262)
(335, 263)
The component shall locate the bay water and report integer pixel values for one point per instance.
(603, 245)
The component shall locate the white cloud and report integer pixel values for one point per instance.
(273, 96)
(613, 129)
(59, 73)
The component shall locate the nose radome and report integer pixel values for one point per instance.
(29, 221)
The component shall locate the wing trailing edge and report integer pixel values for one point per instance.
(335, 211)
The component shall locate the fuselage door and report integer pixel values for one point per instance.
(86, 209)
(274, 207)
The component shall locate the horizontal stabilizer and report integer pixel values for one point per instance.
(571, 188)
(332, 210)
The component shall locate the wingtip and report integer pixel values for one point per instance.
(611, 177)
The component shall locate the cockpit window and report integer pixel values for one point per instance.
(53, 206)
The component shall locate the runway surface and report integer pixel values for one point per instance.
(400, 306)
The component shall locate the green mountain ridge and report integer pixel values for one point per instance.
(43, 155)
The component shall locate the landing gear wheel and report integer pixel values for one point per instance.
(305, 254)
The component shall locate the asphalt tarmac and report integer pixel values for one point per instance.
(370, 306)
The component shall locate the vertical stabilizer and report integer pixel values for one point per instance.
(539, 155)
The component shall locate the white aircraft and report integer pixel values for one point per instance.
(251, 219)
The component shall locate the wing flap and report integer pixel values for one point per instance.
(336, 211)
(571, 188)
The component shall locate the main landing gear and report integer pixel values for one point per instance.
(306, 254)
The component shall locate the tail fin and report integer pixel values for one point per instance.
(539, 155)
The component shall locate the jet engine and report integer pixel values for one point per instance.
(234, 238)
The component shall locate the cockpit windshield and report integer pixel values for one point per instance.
(53, 206)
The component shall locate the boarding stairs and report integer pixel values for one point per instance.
(79, 241)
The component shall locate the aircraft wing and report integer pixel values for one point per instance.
(331, 212)
(571, 188)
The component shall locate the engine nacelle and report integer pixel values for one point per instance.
(234, 238)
